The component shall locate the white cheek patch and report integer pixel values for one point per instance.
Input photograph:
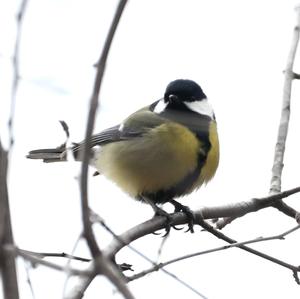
(160, 106)
(202, 107)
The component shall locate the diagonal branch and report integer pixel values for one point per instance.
(233, 210)
(256, 240)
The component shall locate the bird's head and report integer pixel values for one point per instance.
(181, 90)
(184, 95)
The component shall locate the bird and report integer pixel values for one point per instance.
(159, 153)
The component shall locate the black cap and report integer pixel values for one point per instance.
(184, 90)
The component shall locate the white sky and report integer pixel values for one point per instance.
(236, 50)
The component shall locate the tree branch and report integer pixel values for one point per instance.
(230, 210)
(101, 264)
(55, 254)
(256, 240)
(284, 124)
(156, 223)
(88, 233)
(7, 260)
(35, 260)
(16, 69)
(285, 112)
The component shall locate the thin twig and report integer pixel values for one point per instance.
(162, 244)
(16, 70)
(55, 254)
(256, 240)
(222, 236)
(35, 260)
(28, 266)
(69, 264)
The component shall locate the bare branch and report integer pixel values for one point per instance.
(256, 240)
(7, 260)
(230, 210)
(68, 264)
(101, 264)
(35, 260)
(55, 254)
(220, 235)
(156, 223)
(234, 210)
(285, 112)
(16, 69)
(87, 225)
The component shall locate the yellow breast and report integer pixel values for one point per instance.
(156, 161)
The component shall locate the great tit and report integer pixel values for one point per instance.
(161, 152)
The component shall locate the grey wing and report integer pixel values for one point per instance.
(134, 126)
(109, 135)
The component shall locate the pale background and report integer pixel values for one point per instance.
(236, 50)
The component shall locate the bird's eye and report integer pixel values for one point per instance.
(172, 98)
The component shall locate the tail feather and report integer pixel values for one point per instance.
(49, 155)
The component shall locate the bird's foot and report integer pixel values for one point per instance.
(187, 211)
(161, 212)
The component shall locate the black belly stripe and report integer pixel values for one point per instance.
(199, 125)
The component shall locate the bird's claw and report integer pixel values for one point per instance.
(188, 212)
(177, 228)
(191, 218)
(161, 212)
